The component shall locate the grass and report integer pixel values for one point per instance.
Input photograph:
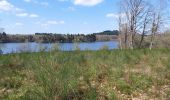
(86, 75)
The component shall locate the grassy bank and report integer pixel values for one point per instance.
(86, 75)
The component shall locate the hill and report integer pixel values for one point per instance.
(108, 32)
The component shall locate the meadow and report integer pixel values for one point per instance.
(86, 75)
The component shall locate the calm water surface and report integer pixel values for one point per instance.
(35, 47)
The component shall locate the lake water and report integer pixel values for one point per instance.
(35, 47)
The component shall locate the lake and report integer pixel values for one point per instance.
(35, 47)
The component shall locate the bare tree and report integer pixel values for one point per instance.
(134, 11)
(155, 25)
(123, 36)
(145, 24)
(120, 40)
(141, 18)
(120, 31)
(158, 20)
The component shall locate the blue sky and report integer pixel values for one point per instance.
(58, 16)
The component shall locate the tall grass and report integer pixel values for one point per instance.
(86, 75)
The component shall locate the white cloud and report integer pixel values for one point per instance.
(71, 9)
(52, 22)
(33, 15)
(44, 25)
(27, 15)
(55, 22)
(19, 9)
(62, 22)
(27, 0)
(22, 14)
(112, 15)
(37, 2)
(19, 24)
(115, 15)
(44, 4)
(5, 5)
(87, 2)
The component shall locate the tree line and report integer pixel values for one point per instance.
(52, 37)
(108, 32)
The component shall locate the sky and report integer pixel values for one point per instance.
(58, 16)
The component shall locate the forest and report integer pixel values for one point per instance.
(58, 38)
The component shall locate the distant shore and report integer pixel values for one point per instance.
(59, 38)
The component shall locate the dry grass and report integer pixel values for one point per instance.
(86, 75)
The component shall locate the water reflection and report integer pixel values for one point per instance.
(35, 47)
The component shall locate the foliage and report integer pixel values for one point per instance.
(55, 38)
